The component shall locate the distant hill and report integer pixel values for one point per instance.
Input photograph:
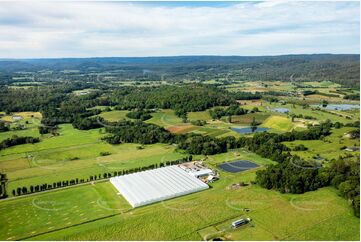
(343, 69)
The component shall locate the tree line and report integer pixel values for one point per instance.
(265, 144)
(218, 113)
(71, 182)
(17, 140)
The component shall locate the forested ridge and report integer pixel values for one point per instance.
(343, 69)
(192, 97)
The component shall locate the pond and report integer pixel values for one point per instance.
(281, 110)
(248, 130)
(237, 166)
(342, 107)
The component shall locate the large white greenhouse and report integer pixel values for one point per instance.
(156, 185)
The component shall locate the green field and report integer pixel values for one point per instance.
(75, 154)
(115, 115)
(278, 123)
(165, 118)
(95, 212)
(30, 120)
(331, 147)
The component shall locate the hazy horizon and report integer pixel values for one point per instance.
(143, 29)
(170, 56)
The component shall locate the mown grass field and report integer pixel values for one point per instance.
(30, 120)
(279, 123)
(75, 154)
(115, 115)
(96, 212)
(331, 147)
(320, 115)
(32, 215)
(260, 86)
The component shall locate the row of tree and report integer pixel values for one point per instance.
(234, 109)
(4, 127)
(46, 186)
(17, 140)
(139, 114)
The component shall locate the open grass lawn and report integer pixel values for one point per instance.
(320, 115)
(31, 121)
(260, 86)
(212, 131)
(75, 154)
(279, 123)
(96, 212)
(329, 148)
(68, 137)
(165, 118)
(115, 115)
(204, 115)
(247, 119)
(33, 215)
(25, 116)
(33, 132)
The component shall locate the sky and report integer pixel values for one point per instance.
(46, 29)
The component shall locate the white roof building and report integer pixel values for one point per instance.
(200, 173)
(156, 185)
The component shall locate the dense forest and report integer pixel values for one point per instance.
(296, 176)
(192, 97)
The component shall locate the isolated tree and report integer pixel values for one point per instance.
(293, 117)
(324, 103)
(253, 124)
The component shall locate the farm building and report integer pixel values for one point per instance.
(156, 185)
(196, 169)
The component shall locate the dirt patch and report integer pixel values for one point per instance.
(177, 129)
(250, 102)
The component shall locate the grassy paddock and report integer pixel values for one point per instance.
(115, 115)
(331, 147)
(278, 123)
(274, 216)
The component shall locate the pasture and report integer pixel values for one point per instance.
(331, 147)
(278, 123)
(320, 115)
(22, 124)
(75, 154)
(115, 115)
(96, 212)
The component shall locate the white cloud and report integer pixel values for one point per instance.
(71, 29)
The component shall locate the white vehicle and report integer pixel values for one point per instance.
(240, 222)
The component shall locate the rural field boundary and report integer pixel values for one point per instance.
(53, 190)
